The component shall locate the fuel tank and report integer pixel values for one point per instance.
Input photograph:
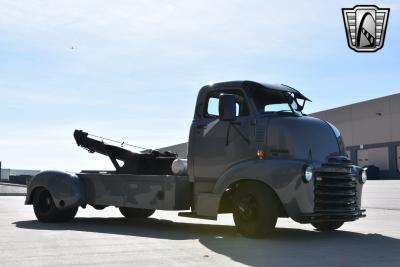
(179, 166)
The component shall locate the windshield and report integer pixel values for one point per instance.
(277, 107)
(273, 101)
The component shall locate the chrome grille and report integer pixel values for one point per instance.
(335, 192)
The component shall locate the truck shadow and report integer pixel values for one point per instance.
(284, 247)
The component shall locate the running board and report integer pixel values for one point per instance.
(194, 215)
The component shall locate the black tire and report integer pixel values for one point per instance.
(255, 209)
(133, 213)
(46, 211)
(327, 226)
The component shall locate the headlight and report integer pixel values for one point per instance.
(364, 176)
(308, 174)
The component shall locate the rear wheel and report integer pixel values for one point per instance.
(255, 210)
(132, 213)
(327, 226)
(46, 211)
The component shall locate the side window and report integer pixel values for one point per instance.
(212, 109)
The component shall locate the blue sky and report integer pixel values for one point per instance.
(136, 66)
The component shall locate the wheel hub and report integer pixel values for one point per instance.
(248, 208)
(45, 201)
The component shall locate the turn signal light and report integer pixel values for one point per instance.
(260, 153)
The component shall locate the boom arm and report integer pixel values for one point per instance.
(149, 162)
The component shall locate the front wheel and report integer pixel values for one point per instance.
(132, 213)
(46, 211)
(255, 210)
(327, 226)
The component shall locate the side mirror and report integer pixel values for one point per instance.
(227, 107)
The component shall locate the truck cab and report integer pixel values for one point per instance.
(247, 134)
(251, 152)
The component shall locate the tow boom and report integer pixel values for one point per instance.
(145, 162)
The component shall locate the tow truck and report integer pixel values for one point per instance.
(252, 152)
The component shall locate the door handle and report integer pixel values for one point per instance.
(200, 126)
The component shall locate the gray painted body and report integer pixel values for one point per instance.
(164, 192)
(290, 143)
(221, 154)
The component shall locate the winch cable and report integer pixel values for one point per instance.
(118, 142)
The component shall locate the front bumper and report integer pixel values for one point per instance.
(329, 216)
(337, 194)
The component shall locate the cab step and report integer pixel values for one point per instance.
(190, 214)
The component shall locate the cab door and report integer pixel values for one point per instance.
(220, 144)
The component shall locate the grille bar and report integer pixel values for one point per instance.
(337, 201)
(335, 191)
(330, 193)
(350, 185)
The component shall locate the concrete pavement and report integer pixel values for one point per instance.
(12, 189)
(383, 194)
(104, 238)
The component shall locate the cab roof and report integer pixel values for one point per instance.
(251, 84)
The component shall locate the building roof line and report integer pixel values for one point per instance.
(356, 103)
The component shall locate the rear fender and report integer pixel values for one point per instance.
(67, 189)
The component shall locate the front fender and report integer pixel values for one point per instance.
(282, 176)
(67, 189)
